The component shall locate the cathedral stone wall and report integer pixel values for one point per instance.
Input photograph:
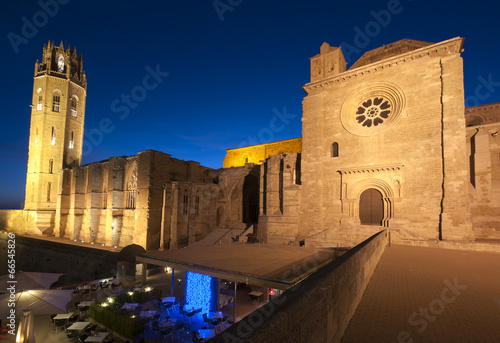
(403, 156)
(126, 200)
(484, 172)
(257, 153)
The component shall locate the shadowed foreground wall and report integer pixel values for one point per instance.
(317, 309)
(77, 263)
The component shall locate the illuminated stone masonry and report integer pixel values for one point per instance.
(384, 144)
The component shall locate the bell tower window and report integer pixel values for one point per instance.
(72, 140)
(53, 137)
(56, 101)
(73, 107)
(39, 103)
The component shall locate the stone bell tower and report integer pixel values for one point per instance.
(56, 130)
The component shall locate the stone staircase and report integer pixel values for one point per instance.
(237, 233)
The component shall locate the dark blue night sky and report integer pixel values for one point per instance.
(225, 68)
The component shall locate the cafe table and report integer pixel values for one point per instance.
(86, 303)
(98, 337)
(168, 299)
(63, 316)
(206, 333)
(78, 326)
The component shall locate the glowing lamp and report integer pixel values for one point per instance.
(271, 291)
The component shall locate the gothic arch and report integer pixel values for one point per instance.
(475, 120)
(130, 186)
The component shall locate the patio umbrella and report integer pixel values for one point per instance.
(26, 329)
(40, 301)
(28, 280)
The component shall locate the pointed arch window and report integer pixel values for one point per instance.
(72, 140)
(39, 103)
(185, 203)
(74, 104)
(335, 149)
(132, 190)
(56, 102)
(53, 136)
(39, 99)
(197, 204)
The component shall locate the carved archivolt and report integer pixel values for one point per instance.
(373, 109)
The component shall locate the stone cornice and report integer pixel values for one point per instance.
(454, 45)
(482, 107)
(371, 169)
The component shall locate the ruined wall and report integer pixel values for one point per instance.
(280, 192)
(120, 201)
(238, 195)
(483, 148)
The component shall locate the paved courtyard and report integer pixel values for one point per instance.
(419, 294)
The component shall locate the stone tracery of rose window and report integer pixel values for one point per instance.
(373, 109)
(373, 112)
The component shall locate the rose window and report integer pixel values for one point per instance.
(373, 112)
(366, 109)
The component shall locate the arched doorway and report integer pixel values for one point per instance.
(371, 207)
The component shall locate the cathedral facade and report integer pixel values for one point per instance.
(386, 143)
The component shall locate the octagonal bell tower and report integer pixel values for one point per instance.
(56, 130)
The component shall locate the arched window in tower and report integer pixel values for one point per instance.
(335, 149)
(72, 140)
(39, 104)
(51, 166)
(49, 186)
(74, 103)
(56, 102)
(197, 204)
(185, 203)
(132, 190)
(39, 100)
(53, 137)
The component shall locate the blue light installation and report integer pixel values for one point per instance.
(200, 292)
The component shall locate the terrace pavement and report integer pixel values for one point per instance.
(421, 294)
